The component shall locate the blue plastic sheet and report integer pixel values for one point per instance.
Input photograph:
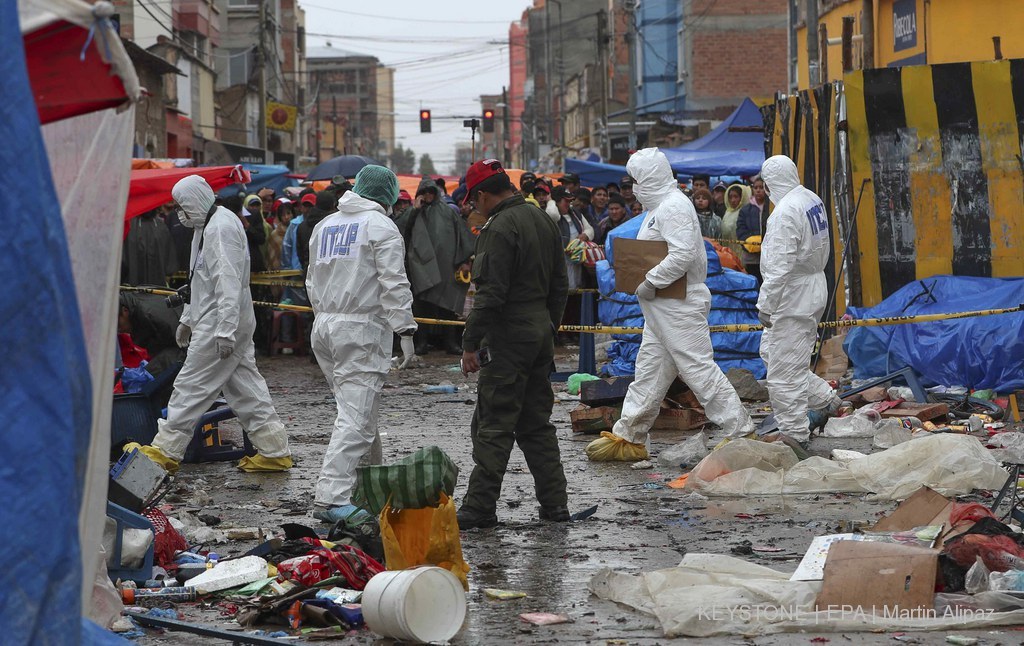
(46, 405)
(263, 176)
(982, 352)
(733, 300)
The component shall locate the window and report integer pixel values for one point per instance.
(244, 4)
(240, 64)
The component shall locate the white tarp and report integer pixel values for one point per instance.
(710, 595)
(950, 464)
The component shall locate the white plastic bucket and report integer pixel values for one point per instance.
(423, 604)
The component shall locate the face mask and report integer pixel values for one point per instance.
(185, 220)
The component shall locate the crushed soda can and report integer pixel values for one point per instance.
(305, 570)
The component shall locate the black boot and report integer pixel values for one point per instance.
(420, 341)
(453, 341)
(555, 514)
(471, 520)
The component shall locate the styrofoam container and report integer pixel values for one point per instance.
(230, 574)
(421, 604)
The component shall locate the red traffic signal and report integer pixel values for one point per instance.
(424, 120)
(488, 120)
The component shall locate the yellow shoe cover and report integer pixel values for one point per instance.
(170, 465)
(610, 447)
(258, 463)
(749, 436)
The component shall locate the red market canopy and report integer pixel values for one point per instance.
(152, 187)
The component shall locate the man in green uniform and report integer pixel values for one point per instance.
(521, 290)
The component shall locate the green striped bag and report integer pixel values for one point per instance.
(414, 482)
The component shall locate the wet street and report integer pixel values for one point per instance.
(640, 524)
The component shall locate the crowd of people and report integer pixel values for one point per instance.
(375, 259)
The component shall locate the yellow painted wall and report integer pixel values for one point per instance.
(952, 30)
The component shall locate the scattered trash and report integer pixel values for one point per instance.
(147, 596)
(643, 464)
(863, 423)
(686, 454)
(544, 618)
(441, 389)
(890, 434)
(585, 514)
(960, 640)
(574, 381)
(230, 574)
(679, 482)
(504, 595)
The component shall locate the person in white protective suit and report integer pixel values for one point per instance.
(794, 253)
(217, 328)
(360, 294)
(676, 338)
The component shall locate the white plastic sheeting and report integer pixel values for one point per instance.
(949, 464)
(90, 158)
(709, 595)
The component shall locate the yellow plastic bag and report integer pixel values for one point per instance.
(610, 447)
(427, 536)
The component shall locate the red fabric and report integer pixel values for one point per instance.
(993, 550)
(355, 565)
(152, 187)
(968, 512)
(65, 86)
(166, 540)
(131, 354)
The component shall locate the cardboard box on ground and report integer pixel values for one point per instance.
(886, 577)
(602, 399)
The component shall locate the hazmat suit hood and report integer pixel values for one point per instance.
(780, 176)
(352, 203)
(653, 178)
(195, 197)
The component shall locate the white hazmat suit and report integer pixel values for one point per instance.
(221, 356)
(676, 339)
(793, 296)
(360, 295)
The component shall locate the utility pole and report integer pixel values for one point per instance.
(793, 46)
(262, 89)
(631, 43)
(813, 72)
(561, 81)
(602, 48)
(505, 135)
(547, 75)
(867, 30)
(848, 43)
(823, 53)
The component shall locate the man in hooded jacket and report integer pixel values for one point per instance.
(217, 327)
(793, 297)
(360, 294)
(676, 339)
(438, 244)
(326, 204)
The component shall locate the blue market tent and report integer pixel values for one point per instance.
(981, 352)
(263, 176)
(734, 148)
(733, 300)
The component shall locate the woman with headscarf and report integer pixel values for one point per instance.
(735, 197)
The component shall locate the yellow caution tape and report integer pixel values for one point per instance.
(737, 327)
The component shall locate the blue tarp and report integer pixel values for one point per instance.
(731, 149)
(45, 381)
(981, 352)
(263, 176)
(733, 300)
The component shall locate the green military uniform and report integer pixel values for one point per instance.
(521, 286)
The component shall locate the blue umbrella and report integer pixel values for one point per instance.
(346, 166)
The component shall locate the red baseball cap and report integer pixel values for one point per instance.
(308, 198)
(480, 171)
(404, 195)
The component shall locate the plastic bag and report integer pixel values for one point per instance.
(970, 512)
(977, 579)
(105, 605)
(744, 454)
(428, 536)
(889, 433)
(576, 380)
(610, 448)
(685, 454)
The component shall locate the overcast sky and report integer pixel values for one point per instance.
(443, 53)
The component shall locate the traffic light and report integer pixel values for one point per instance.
(424, 120)
(488, 120)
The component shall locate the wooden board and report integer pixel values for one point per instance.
(593, 420)
(924, 412)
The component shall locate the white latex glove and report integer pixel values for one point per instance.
(765, 318)
(408, 358)
(225, 347)
(182, 335)
(645, 291)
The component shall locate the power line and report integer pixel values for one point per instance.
(417, 20)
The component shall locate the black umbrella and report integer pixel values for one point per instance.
(346, 166)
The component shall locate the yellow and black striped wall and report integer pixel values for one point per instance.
(939, 152)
